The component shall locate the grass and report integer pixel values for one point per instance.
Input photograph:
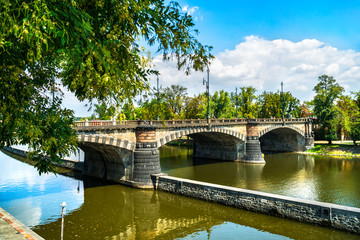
(344, 148)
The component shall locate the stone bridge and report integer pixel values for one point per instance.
(127, 152)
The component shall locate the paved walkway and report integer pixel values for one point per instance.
(13, 229)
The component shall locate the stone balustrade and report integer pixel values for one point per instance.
(78, 125)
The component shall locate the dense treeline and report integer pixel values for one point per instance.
(337, 114)
(174, 103)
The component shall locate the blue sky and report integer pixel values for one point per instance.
(223, 24)
(262, 43)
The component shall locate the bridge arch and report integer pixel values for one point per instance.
(174, 135)
(218, 143)
(269, 129)
(107, 157)
(282, 139)
(107, 140)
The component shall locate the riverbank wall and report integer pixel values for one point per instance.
(302, 210)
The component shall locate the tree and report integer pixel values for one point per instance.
(195, 107)
(347, 109)
(151, 109)
(327, 91)
(292, 105)
(221, 105)
(247, 102)
(175, 95)
(90, 48)
(103, 112)
(269, 105)
(305, 110)
(354, 125)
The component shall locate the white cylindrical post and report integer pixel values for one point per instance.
(63, 209)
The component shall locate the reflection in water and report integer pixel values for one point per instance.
(101, 210)
(317, 178)
(117, 212)
(32, 198)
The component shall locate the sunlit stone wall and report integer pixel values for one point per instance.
(324, 214)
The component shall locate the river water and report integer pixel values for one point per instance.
(102, 210)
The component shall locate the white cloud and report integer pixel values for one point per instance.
(71, 102)
(190, 10)
(263, 64)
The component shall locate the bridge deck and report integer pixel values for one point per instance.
(132, 124)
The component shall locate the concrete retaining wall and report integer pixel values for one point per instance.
(324, 214)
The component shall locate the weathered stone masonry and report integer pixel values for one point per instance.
(127, 152)
(324, 214)
(146, 156)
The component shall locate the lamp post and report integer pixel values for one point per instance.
(157, 96)
(207, 82)
(282, 101)
(236, 103)
(63, 209)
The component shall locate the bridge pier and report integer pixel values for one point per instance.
(309, 142)
(309, 135)
(253, 152)
(146, 157)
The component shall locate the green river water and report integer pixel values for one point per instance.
(103, 210)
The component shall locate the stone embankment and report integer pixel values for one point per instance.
(302, 210)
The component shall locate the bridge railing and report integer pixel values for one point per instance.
(291, 120)
(183, 122)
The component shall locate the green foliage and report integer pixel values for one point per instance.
(354, 129)
(195, 107)
(220, 105)
(152, 109)
(327, 91)
(246, 101)
(175, 96)
(292, 106)
(270, 105)
(346, 108)
(48, 133)
(128, 111)
(104, 112)
(91, 48)
(354, 118)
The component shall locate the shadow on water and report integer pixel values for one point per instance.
(319, 178)
(181, 157)
(111, 211)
